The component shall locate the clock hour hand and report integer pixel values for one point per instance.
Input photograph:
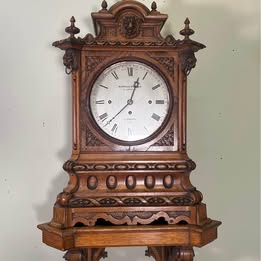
(136, 85)
(129, 102)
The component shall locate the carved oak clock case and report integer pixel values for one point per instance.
(129, 164)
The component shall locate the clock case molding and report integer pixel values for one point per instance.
(132, 184)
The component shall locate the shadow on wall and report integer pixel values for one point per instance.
(228, 28)
(44, 211)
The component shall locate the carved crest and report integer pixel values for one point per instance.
(129, 19)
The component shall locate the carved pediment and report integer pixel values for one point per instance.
(129, 20)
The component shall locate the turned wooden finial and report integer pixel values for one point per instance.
(104, 5)
(187, 31)
(154, 6)
(72, 29)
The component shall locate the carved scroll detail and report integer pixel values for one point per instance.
(167, 139)
(168, 64)
(92, 62)
(131, 201)
(132, 218)
(169, 41)
(91, 140)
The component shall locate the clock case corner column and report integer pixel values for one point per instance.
(187, 61)
(72, 63)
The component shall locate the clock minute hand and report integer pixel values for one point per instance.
(108, 122)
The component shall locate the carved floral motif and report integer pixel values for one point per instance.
(167, 139)
(168, 64)
(91, 140)
(92, 62)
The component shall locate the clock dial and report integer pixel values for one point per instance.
(129, 101)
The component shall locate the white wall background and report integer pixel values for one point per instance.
(223, 121)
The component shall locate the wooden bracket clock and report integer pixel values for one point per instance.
(129, 173)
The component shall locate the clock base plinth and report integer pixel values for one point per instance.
(164, 242)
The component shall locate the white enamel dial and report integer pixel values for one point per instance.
(129, 101)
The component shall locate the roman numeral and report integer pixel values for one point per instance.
(145, 76)
(130, 71)
(155, 87)
(129, 132)
(155, 117)
(103, 117)
(160, 101)
(114, 74)
(100, 102)
(114, 128)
